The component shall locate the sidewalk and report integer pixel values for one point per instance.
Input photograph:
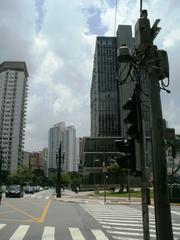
(89, 197)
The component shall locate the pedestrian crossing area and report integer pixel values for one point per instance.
(36, 196)
(23, 232)
(124, 222)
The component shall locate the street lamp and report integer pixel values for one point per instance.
(105, 177)
(1, 163)
(58, 163)
(95, 161)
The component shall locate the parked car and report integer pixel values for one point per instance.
(14, 191)
(29, 189)
(36, 188)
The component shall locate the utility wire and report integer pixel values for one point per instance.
(115, 16)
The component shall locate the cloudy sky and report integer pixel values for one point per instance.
(56, 38)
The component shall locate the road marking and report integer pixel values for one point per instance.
(40, 197)
(122, 238)
(76, 234)
(49, 233)
(16, 220)
(44, 212)
(120, 224)
(2, 225)
(22, 211)
(174, 212)
(20, 232)
(99, 235)
(128, 233)
(47, 197)
(124, 218)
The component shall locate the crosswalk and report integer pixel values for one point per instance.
(24, 231)
(124, 222)
(36, 196)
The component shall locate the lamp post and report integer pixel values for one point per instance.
(129, 191)
(1, 160)
(95, 161)
(105, 176)
(59, 162)
(95, 189)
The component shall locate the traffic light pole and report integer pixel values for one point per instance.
(145, 210)
(161, 197)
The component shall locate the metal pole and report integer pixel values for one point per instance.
(129, 194)
(1, 159)
(145, 210)
(59, 172)
(140, 7)
(161, 198)
(104, 187)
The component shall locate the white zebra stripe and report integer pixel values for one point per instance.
(2, 225)
(49, 233)
(76, 234)
(99, 235)
(20, 232)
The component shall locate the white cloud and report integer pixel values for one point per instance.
(59, 56)
(172, 38)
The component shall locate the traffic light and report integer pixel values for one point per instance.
(127, 152)
(132, 117)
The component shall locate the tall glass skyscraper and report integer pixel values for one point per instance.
(107, 95)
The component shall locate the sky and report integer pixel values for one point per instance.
(56, 39)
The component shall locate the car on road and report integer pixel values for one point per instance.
(29, 189)
(14, 191)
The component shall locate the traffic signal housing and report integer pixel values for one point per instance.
(127, 153)
(132, 117)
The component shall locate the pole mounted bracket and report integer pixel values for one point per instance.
(155, 29)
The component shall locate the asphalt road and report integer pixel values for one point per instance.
(38, 216)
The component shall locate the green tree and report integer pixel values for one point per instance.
(117, 171)
(22, 176)
(75, 179)
(65, 179)
(114, 167)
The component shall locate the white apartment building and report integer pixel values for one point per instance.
(67, 136)
(13, 97)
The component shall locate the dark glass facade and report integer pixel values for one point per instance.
(104, 96)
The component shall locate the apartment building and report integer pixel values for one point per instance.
(13, 101)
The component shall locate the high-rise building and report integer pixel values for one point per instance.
(105, 112)
(67, 136)
(13, 97)
(107, 94)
